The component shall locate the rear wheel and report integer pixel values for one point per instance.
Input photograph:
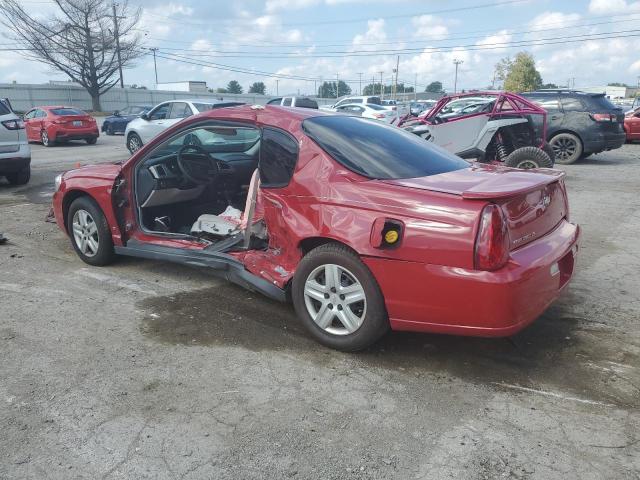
(20, 178)
(134, 142)
(528, 157)
(338, 299)
(548, 149)
(89, 232)
(567, 148)
(92, 141)
(109, 130)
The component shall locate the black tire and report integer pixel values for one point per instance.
(548, 149)
(19, 178)
(104, 253)
(46, 141)
(92, 141)
(567, 147)
(528, 157)
(586, 155)
(109, 130)
(375, 322)
(134, 143)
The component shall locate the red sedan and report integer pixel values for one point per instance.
(632, 125)
(364, 226)
(51, 125)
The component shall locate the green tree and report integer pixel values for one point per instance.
(523, 76)
(434, 87)
(234, 87)
(549, 85)
(328, 89)
(221, 90)
(617, 84)
(258, 87)
(371, 89)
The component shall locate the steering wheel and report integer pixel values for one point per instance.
(196, 165)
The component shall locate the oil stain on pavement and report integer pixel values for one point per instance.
(557, 352)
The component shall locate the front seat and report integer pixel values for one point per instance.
(232, 221)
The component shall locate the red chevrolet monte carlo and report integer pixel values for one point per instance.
(364, 226)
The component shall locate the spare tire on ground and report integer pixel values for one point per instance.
(528, 157)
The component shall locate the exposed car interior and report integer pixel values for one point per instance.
(205, 182)
(184, 185)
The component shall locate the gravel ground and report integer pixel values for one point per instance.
(150, 370)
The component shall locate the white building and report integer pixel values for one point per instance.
(612, 92)
(187, 86)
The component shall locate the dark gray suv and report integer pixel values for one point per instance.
(15, 153)
(578, 123)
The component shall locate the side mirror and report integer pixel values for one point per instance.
(144, 116)
(116, 113)
(637, 114)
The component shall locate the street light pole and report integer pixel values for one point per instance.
(277, 87)
(337, 85)
(155, 65)
(117, 35)
(456, 62)
(360, 73)
(381, 87)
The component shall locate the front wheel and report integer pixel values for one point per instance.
(338, 299)
(528, 157)
(89, 232)
(134, 142)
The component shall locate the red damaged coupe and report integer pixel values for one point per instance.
(363, 226)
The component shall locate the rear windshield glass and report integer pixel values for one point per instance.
(138, 110)
(67, 111)
(373, 106)
(602, 102)
(375, 100)
(376, 150)
(306, 103)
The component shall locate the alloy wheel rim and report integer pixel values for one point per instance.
(335, 299)
(134, 144)
(85, 233)
(527, 164)
(45, 138)
(564, 148)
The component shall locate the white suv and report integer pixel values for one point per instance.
(375, 100)
(15, 153)
(142, 129)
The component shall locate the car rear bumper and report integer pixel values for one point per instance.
(15, 161)
(74, 134)
(441, 299)
(605, 141)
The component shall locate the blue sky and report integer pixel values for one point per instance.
(317, 39)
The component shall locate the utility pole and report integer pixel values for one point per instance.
(117, 35)
(415, 87)
(155, 65)
(395, 87)
(360, 73)
(315, 89)
(381, 87)
(337, 85)
(277, 87)
(456, 62)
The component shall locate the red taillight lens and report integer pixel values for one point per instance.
(602, 117)
(13, 124)
(492, 242)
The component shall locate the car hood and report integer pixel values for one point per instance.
(483, 181)
(104, 171)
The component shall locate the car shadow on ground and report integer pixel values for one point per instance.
(556, 350)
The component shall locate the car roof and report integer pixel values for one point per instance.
(266, 112)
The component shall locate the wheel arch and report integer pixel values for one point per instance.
(566, 130)
(307, 244)
(69, 197)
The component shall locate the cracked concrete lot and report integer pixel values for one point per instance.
(150, 370)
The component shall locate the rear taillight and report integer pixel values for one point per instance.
(59, 122)
(492, 241)
(602, 117)
(13, 124)
(379, 115)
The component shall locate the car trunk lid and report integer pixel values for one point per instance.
(534, 202)
(74, 121)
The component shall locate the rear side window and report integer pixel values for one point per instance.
(67, 111)
(306, 103)
(287, 102)
(4, 110)
(600, 102)
(180, 110)
(375, 100)
(356, 100)
(376, 150)
(572, 104)
(275, 101)
(278, 157)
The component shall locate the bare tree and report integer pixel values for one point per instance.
(79, 40)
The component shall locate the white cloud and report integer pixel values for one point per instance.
(615, 7)
(429, 27)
